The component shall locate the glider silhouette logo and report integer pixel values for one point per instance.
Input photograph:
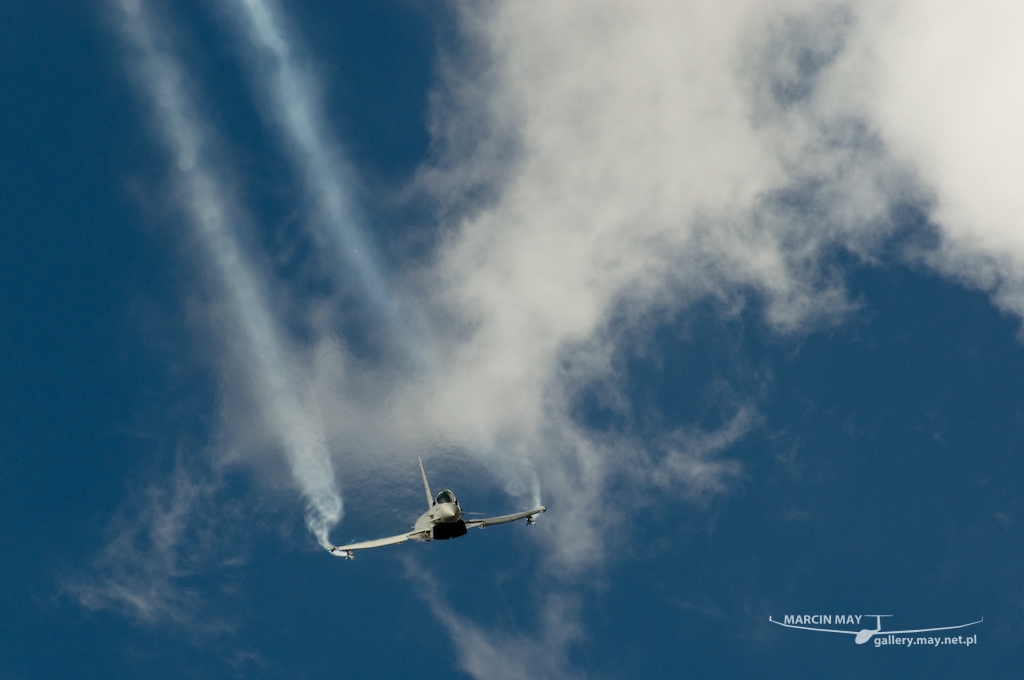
(816, 622)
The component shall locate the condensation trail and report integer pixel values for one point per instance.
(251, 330)
(293, 93)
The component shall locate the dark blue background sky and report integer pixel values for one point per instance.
(884, 476)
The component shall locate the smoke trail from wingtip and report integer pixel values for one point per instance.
(292, 91)
(251, 332)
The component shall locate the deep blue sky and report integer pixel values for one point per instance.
(884, 475)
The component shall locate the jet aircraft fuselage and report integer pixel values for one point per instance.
(443, 519)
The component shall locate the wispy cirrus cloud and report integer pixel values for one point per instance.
(140, 570)
(506, 654)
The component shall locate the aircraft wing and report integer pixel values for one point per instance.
(487, 521)
(346, 550)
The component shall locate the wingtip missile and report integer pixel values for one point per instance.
(341, 552)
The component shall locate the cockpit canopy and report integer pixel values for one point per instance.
(445, 496)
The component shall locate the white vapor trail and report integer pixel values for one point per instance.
(250, 333)
(293, 95)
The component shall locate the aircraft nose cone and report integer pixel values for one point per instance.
(446, 512)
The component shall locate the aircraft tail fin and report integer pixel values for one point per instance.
(426, 487)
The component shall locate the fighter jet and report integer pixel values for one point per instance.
(442, 520)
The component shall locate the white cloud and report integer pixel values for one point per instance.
(626, 160)
(654, 164)
(944, 93)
